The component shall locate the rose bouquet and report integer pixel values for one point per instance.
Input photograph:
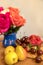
(10, 20)
(10, 23)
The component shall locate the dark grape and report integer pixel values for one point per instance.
(38, 59)
(22, 40)
(18, 41)
(33, 51)
(27, 41)
(23, 45)
(39, 52)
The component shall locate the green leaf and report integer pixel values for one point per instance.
(12, 29)
(29, 45)
(16, 29)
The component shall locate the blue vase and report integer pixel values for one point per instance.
(9, 40)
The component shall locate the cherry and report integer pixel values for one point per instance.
(22, 40)
(38, 59)
(33, 51)
(39, 52)
(18, 41)
(23, 45)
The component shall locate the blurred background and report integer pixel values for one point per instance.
(32, 10)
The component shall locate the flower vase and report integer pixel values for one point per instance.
(9, 40)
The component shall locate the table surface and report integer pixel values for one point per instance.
(25, 62)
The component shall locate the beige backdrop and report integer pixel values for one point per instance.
(32, 10)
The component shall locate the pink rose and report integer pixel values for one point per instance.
(1, 8)
(5, 22)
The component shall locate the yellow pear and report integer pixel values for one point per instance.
(21, 52)
(9, 49)
(11, 58)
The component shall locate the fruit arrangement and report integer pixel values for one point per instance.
(26, 47)
(33, 46)
(12, 55)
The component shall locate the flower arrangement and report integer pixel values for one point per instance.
(10, 20)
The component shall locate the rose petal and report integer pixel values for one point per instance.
(1, 9)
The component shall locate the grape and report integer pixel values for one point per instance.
(38, 59)
(39, 52)
(33, 51)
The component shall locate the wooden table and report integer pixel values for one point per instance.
(25, 62)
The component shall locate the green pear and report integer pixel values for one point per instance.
(21, 52)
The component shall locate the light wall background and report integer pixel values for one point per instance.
(32, 10)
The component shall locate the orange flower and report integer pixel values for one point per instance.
(17, 20)
(13, 10)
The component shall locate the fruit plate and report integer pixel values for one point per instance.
(25, 62)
